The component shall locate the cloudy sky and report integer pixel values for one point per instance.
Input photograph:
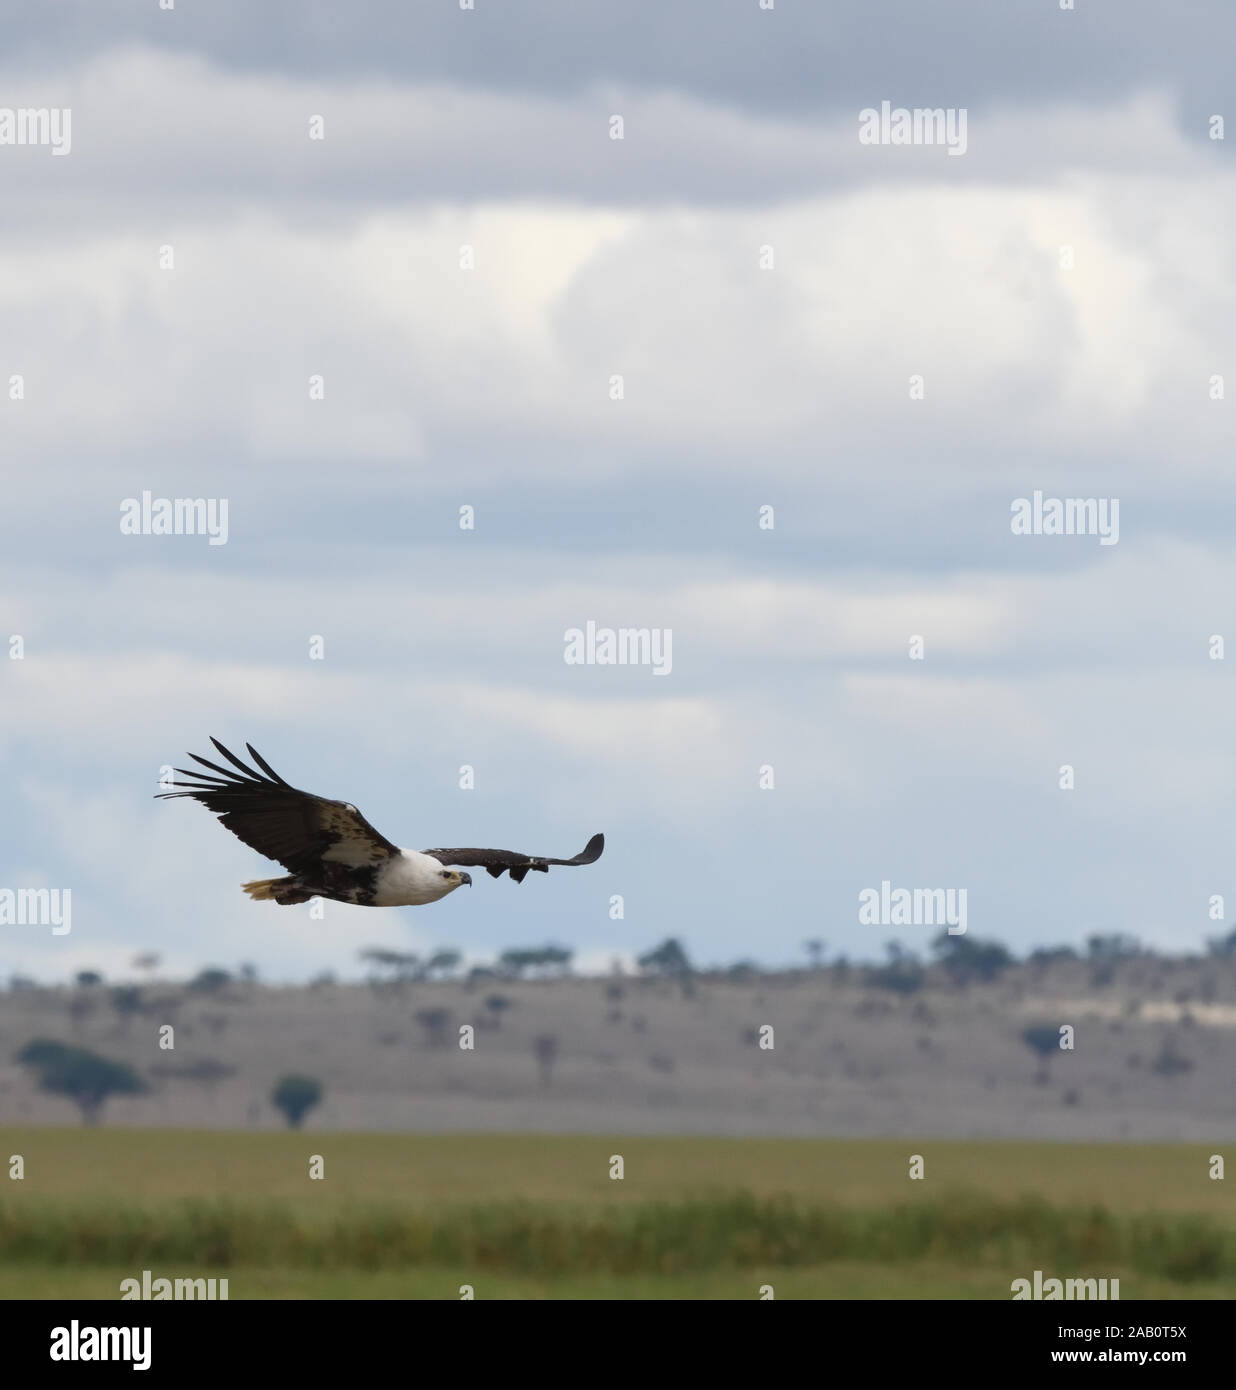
(769, 289)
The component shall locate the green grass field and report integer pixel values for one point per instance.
(528, 1216)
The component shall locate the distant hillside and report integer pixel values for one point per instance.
(856, 1051)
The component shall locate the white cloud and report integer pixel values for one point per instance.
(435, 371)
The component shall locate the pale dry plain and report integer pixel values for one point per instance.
(1154, 1055)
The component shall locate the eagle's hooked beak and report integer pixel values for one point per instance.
(466, 878)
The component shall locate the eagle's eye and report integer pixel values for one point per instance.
(446, 873)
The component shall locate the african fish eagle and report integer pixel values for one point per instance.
(330, 850)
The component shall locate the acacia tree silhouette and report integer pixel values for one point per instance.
(1043, 1039)
(84, 1077)
(296, 1096)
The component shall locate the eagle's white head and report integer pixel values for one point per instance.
(412, 879)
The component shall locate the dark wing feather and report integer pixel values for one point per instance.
(296, 828)
(500, 861)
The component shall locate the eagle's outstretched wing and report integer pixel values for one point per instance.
(500, 861)
(296, 828)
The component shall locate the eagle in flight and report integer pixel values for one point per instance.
(330, 850)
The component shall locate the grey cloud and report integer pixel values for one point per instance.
(796, 57)
(209, 141)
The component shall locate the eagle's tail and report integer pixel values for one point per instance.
(283, 891)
